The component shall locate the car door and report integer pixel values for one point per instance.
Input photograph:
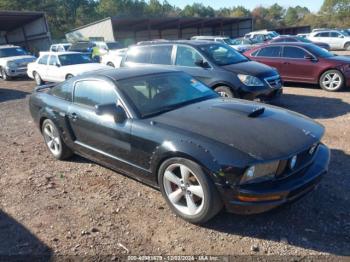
(185, 60)
(53, 69)
(296, 66)
(41, 67)
(270, 55)
(99, 136)
(337, 40)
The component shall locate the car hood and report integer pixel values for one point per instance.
(19, 59)
(276, 133)
(251, 68)
(81, 68)
(340, 59)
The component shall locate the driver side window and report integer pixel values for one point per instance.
(186, 56)
(93, 92)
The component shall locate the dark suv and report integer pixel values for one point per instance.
(219, 66)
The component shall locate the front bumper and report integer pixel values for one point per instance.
(22, 71)
(285, 190)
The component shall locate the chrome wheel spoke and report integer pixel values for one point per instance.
(50, 144)
(185, 173)
(191, 205)
(196, 190)
(172, 178)
(175, 196)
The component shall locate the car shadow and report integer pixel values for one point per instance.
(17, 243)
(319, 221)
(11, 94)
(314, 107)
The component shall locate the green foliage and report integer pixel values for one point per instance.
(64, 15)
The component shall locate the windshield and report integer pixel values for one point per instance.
(345, 32)
(73, 59)
(223, 55)
(7, 52)
(81, 47)
(229, 41)
(319, 52)
(114, 45)
(156, 94)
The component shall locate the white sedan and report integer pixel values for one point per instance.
(114, 57)
(59, 66)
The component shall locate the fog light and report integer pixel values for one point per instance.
(293, 162)
(258, 198)
(312, 149)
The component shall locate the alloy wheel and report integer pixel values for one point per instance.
(183, 189)
(52, 139)
(37, 79)
(332, 81)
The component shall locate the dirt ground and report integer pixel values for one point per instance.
(80, 208)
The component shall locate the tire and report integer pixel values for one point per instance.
(54, 142)
(332, 80)
(4, 75)
(224, 91)
(110, 64)
(347, 46)
(189, 206)
(69, 76)
(38, 79)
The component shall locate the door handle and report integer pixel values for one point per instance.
(73, 116)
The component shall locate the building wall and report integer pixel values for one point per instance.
(102, 31)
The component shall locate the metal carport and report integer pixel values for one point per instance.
(27, 29)
(139, 29)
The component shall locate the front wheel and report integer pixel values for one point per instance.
(4, 75)
(224, 91)
(188, 190)
(347, 46)
(332, 80)
(54, 142)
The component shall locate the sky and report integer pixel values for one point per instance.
(313, 5)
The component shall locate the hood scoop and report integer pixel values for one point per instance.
(257, 112)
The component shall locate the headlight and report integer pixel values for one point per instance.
(11, 64)
(249, 80)
(260, 172)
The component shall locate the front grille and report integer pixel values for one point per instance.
(303, 160)
(274, 81)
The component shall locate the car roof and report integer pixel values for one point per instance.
(130, 72)
(9, 46)
(59, 53)
(301, 44)
(185, 42)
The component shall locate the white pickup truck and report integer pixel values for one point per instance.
(14, 61)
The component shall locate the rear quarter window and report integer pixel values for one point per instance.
(63, 91)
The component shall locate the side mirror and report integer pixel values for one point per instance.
(202, 63)
(309, 57)
(111, 109)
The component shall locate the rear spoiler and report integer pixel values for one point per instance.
(40, 88)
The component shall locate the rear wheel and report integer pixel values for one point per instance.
(110, 64)
(54, 141)
(38, 79)
(332, 80)
(69, 76)
(188, 190)
(347, 46)
(224, 91)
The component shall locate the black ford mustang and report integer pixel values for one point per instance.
(170, 131)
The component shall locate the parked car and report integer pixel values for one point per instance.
(114, 57)
(59, 66)
(305, 63)
(336, 39)
(224, 40)
(262, 35)
(303, 35)
(60, 47)
(172, 132)
(289, 39)
(87, 46)
(14, 61)
(219, 66)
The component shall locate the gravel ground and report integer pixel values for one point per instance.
(77, 207)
